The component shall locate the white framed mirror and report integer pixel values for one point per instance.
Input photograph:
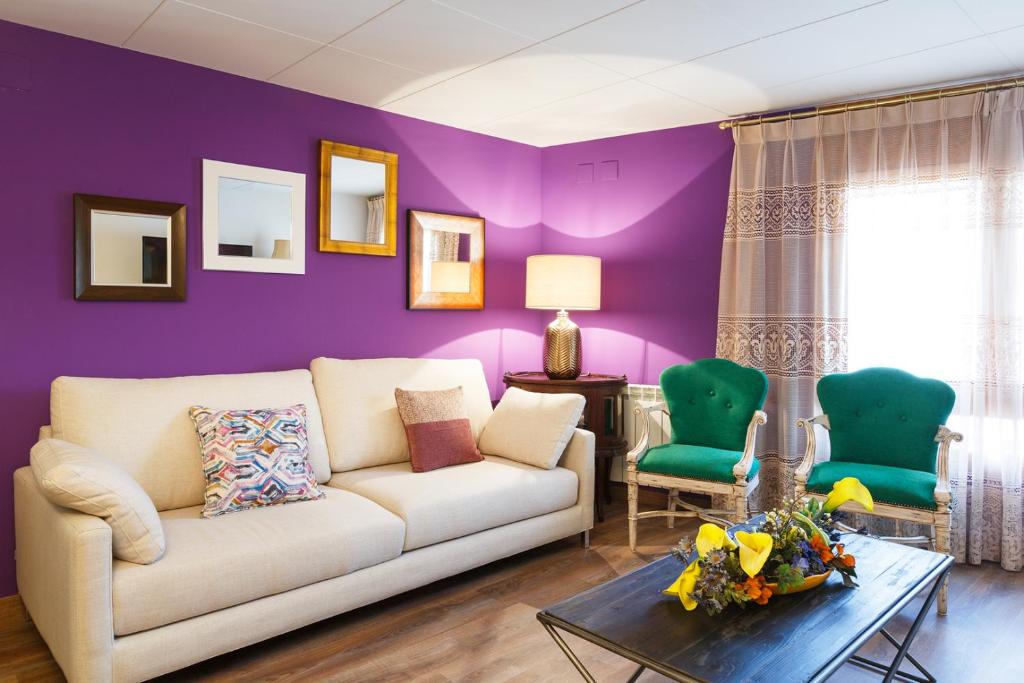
(254, 219)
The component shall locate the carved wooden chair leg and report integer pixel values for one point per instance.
(741, 505)
(672, 493)
(631, 495)
(942, 545)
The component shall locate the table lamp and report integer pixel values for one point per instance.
(562, 283)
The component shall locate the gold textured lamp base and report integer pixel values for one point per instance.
(563, 348)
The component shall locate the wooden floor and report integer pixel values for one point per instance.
(481, 626)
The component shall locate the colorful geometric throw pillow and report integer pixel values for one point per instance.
(254, 458)
(437, 428)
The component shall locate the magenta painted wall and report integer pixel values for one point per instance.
(652, 206)
(89, 118)
(103, 120)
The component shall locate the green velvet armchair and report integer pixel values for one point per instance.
(886, 428)
(714, 407)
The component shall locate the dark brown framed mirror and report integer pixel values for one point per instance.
(129, 249)
(446, 261)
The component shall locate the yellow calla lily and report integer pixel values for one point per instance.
(848, 489)
(684, 585)
(754, 550)
(711, 537)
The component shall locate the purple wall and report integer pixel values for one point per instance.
(108, 121)
(89, 118)
(652, 206)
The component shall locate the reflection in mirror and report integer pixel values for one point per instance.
(357, 200)
(130, 249)
(446, 262)
(255, 219)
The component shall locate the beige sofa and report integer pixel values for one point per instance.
(231, 581)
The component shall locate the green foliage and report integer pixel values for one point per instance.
(788, 577)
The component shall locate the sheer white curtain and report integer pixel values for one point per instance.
(918, 260)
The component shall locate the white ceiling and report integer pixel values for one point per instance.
(547, 72)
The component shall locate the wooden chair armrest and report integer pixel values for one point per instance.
(804, 470)
(641, 445)
(945, 438)
(741, 469)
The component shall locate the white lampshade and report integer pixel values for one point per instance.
(282, 249)
(558, 281)
(449, 276)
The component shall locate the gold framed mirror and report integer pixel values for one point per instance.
(446, 261)
(358, 200)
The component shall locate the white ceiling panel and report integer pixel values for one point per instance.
(527, 79)
(654, 34)
(105, 21)
(619, 109)
(994, 15)
(346, 76)
(968, 59)
(538, 19)
(190, 34)
(553, 71)
(319, 20)
(1011, 43)
(868, 35)
(432, 38)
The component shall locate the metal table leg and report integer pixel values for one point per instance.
(587, 676)
(892, 670)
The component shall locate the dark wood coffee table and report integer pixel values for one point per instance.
(800, 637)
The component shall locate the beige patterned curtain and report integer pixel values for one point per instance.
(375, 209)
(890, 236)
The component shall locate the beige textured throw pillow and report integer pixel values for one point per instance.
(532, 428)
(75, 477)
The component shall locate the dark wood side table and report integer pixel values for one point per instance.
(602, 416)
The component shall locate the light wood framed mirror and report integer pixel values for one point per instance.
(358, 200)
(446, 261)
(129, 249)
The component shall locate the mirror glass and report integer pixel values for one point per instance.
(255, 219)
(446, 261)
(130, 249)
(358, 206)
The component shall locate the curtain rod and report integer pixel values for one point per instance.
(889, 101)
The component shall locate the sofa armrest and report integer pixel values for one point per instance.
(64, 578)
(579, 457)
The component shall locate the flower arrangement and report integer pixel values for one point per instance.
(795, 548)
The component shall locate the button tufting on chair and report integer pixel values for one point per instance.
(857, 413)
(711, 392)
(903, 418)
(881, 404)
(693, 401)
(728, 404)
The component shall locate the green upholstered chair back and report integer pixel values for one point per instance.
(884, 416)
(711, 402)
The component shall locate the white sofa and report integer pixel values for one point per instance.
(231, 581)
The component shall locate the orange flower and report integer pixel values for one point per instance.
(824, 552)
(849, 560)
(756, 589)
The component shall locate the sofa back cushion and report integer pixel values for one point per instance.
(357, 399)
(144, 425)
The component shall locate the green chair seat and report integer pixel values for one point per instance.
(894, 485)
(694, 462)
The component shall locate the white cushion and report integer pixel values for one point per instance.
(144, 426)
(531, 427)
(75, 477)
(456, 501)
(215, 563)
(357, 399)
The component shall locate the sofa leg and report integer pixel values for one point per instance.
(631, 495)
(672, 493)
(585, 538)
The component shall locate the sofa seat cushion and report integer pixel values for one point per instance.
(463, 499)
(893, 485)
(215, 563)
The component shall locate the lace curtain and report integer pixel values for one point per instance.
(890, 236)
(375, 219)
